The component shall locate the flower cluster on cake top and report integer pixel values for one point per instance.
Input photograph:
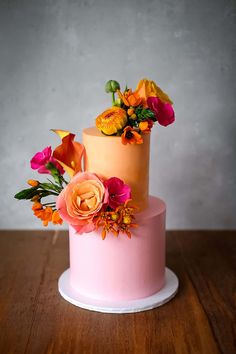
(87, 201)
(133, 113)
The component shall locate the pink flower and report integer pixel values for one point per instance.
(81, 200)
(164, 112)
(41, 158)
(117, 192)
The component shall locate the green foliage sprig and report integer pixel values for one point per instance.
(144, 114)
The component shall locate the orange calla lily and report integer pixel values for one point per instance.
(70, 153)
(147, 88)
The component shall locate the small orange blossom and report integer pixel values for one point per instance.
(131, 136)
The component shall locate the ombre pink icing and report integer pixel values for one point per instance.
(119, 268)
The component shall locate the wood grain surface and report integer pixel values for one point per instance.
(34, 318)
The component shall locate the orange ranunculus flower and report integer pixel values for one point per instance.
(70, 153)
(111, 120)
(146, 126)
(147, 88)
(130, 98)
(131, 136)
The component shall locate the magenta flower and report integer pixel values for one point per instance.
(40, 160)
(116, 192)
(164, 112)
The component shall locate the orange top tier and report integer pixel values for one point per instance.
(108, 157)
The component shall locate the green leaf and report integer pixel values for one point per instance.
(144, 114)
(27, 193)
(50, 186)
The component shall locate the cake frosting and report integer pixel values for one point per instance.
(106, 156)
(120, 268)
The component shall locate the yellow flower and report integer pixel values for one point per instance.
(127, 219)
(112, 120)
(114, 216)
(148, 88)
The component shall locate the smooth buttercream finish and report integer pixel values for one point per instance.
(121, 268)
(108, 157)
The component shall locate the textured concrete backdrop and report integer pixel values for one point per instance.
(55, 57)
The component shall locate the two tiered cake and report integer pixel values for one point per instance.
(120, 268)
(116, 229)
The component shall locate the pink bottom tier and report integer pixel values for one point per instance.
(121, 268)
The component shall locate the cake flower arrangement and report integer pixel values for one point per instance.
(133, 113)
(88, 201)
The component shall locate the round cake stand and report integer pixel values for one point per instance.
(144, 304)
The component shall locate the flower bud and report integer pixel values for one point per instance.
(133, 116)
(33, 182)
(112, 86)
(130, 111)
(35, 198)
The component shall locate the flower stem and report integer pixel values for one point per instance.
(113, 98)
(63, 179)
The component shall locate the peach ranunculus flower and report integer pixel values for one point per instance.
(148, 88)
(81, 200)
(130, 98)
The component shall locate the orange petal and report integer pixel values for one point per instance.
(123, 98)
(104, 234)
(69, 154)
(37, 206)
(143, 125)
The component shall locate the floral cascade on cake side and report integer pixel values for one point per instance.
(88, 201)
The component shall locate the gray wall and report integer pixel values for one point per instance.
(55, 57)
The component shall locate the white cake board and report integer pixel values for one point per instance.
(147, 303)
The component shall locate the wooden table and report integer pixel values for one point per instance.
(34, 318)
